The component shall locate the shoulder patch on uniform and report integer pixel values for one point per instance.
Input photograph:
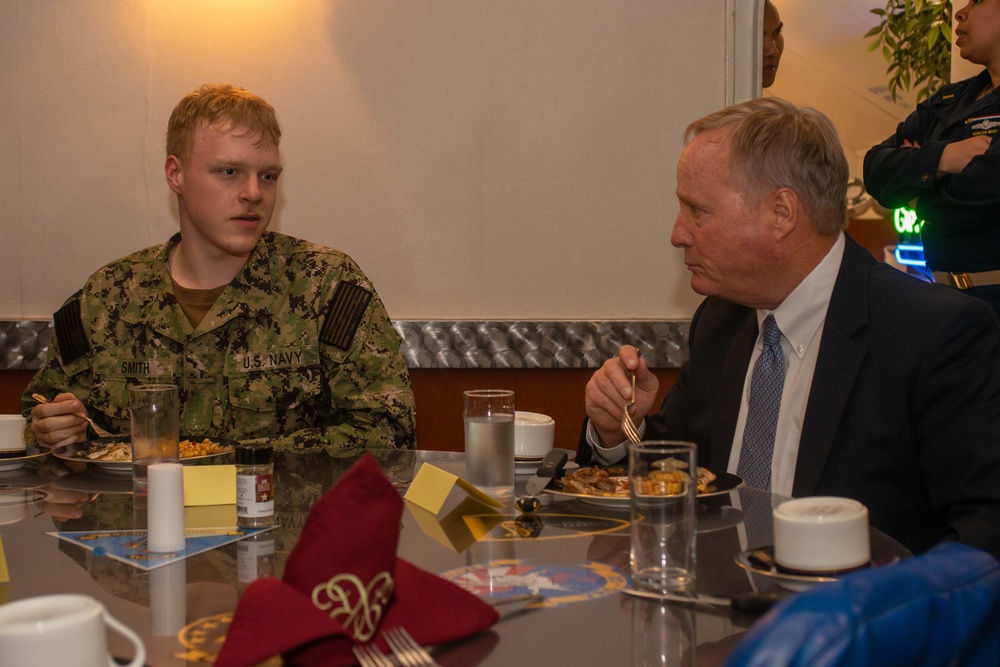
(343, 315)
(73, 342)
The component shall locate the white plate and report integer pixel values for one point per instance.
(17, 462)
(799, 582)
(70, 453)
(724, 483)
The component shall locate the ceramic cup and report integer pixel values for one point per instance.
(11, 436)
(534, 434)
(63, 630)
(821, 534)
(13, 505)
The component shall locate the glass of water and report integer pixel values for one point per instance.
(663, 477)
(154, 410)
(489, 441)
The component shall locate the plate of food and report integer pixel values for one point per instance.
(608, 486)
(115, 454)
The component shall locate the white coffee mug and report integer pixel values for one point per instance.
(11, 436)
(13, 505)
(63, 630)
(534, 434)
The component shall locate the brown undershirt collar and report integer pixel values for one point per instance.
(196, 302)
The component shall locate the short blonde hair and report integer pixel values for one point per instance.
(220, 104)
(775, 144)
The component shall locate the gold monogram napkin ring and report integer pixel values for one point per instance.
(360, 615)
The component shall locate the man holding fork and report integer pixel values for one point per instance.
(813, 368)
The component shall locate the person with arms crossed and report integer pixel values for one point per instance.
(944, 160)
(889, 387)
(269, 338)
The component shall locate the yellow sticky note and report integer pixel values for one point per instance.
(210, 516)
(431, 486)
(461, 527)
(209, 485)
(4, 574)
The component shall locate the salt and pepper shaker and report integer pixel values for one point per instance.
(254, 486)
(166, 508)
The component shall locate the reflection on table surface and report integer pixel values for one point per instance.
(575, 554)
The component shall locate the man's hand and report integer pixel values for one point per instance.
(610, 389)
(63, 504)
(55, 424)
(957, 155)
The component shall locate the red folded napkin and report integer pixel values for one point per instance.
(343, 584)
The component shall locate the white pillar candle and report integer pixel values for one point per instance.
(166, 508)
(168, 599)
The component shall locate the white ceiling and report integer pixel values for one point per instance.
(826, 65)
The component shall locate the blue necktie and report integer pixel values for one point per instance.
(766, 383)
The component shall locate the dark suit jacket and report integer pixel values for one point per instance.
(904, 410)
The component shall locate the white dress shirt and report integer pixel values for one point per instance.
(800, 317)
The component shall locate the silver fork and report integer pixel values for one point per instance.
(101, 433)
(369, 655)
(628, 427)
(407, 650)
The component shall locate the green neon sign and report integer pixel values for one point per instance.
(906, 222)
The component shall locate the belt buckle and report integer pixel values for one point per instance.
(960, 280)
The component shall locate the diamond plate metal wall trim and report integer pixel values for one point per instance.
(458, 344)
(24, 343)
(490, 344)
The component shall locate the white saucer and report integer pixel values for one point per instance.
(799, 582)
(17, 462)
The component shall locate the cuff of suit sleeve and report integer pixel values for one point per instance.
(608, 455)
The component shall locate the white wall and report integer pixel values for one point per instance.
(826, 64)
(479, 159)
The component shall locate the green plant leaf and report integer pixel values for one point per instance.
(914, 36)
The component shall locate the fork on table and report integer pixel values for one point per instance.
(406, 649)
(369, 655)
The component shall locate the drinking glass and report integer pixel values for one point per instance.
(489, 440)
(663, 635)
(154, 410)
(663, 480)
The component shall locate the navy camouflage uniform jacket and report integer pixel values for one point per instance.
(298, 350)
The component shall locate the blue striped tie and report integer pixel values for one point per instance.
(766, 383)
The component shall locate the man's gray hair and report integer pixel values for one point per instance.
(775, 144)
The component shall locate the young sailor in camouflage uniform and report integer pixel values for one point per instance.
(269, 338)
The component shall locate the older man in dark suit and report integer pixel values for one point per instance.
(887, 389)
